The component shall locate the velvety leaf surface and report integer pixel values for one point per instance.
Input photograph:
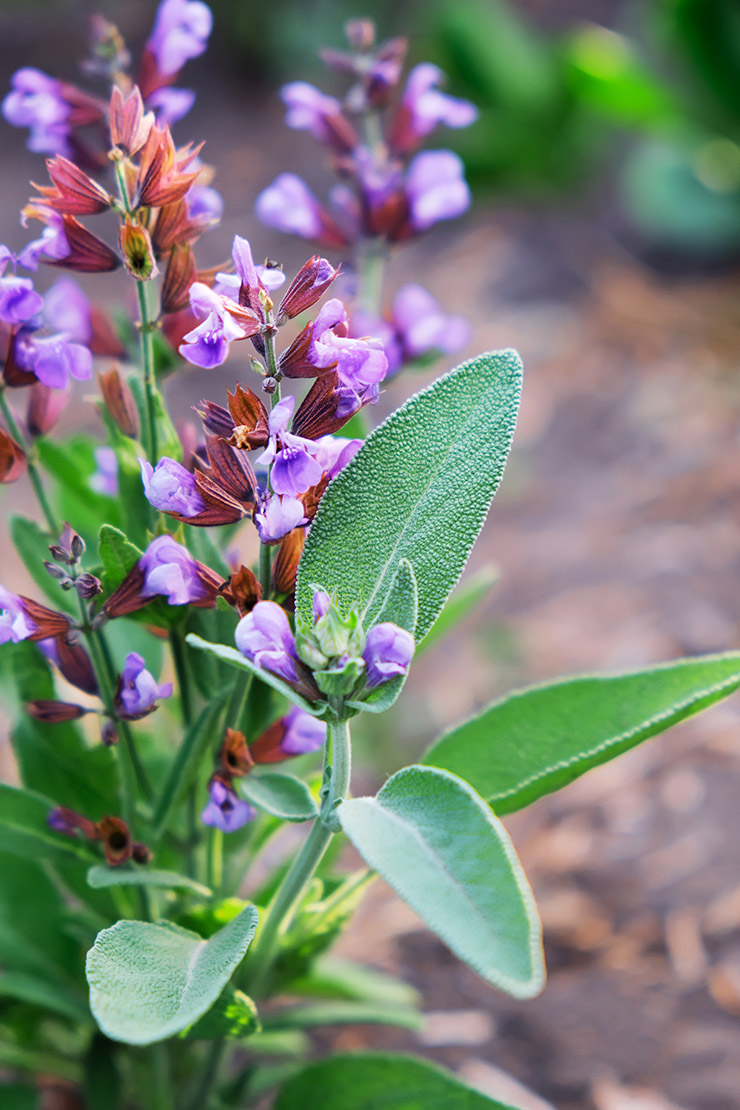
(419, 489)
(149, 981)
(375, 1081)
(233, 1015)
(285, 796)
(442, 850)
(101, 876)
(538, 740)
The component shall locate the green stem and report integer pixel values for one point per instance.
(33, 473)
(238, 702)
(215, 859)
(186, 701)
(370, 263)
(209, 1078)
(265, 569)
(337, 768)
(162, 1093)
(146, 350)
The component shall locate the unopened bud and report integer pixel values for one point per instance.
(309, 652)
(109, 733)
(341, 681)
(140, 853)
(77, 547)
(138, 253)
(119, 401)
(54, 712)
(88, 586)
(56, 571)
(269, 385)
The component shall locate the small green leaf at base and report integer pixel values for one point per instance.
(442, 850)
(148, 982)
(232, 1015)
(284, 796)
(101, 876)
(376, 1081)
(537, 740)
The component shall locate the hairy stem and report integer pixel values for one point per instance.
(183, 683)
(33, 473)
(337, 768)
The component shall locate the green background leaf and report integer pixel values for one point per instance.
(148, 981)
(419, 488)
(376, 1081)
(284, 796)
(538, 740)
(442, 850)
(101, 876)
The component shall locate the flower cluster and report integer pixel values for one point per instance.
(332, 660)
(388, 190)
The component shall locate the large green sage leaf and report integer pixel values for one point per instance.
(148, 981)
(442, 850)
(419, 489)
(284, 796)
(376, 1081)
(539, 739)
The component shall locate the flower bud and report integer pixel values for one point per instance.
(342, 679)
(88, 586)
(360, 34)
(109, 733)
(54, 712)
(388, 653)
(119, 402)
(309, 652)
(45, 406)
(306, 288)
(138, 253)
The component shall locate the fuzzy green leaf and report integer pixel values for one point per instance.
(538, 740)
(148, 982)
(232, 1015)
(101, 876)
(118, 556)
(419, 489)
(285, 796)
(376, 1081)
(442, 850)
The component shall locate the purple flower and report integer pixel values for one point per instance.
(423, 327)
(209, 344)
(334, 452)
(264, 636)
(320, 605)
(367, 323)
(204, 203)
(303, 733)
(171, 488)
(427, 106)
(139, 691)
(360, 363)
(53, 359)
(36, 102)
(170, 105)
(289, 205)
(52, 244)
(105, 478)
(311, 110)
(388, 652)
(19, 301)
(294, 469)
(225, 811)
(15, 624)
(180, 32)
(277, 516)
(436, 188)
(170, 570)
(67, 309)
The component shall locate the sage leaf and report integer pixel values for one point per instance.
(150, 981)
(377, 1081)
(284, 796)
(419, 488)
(539, 739)
(232, 1015)
(100, 876)
(445, 853)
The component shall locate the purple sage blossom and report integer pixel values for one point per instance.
(427, 106)
(180, 32)
(19, 301)
(105, 477)
(36, 102)
(52, 244)
(277, 516)
(171, 488)
(289, 205)
(294, 469)
(264, 636)
(209, 344)
(67, 309)
(53, 358)
(225, 810)
(361, 364)
(388, 653)
(311, 110)
(436, 188)
(139, 691)
(204, 203)
(303, 733)
(320, 605)
(170, 570)
(334, 452)
(422, 326)
(170, 105)
(15, 624)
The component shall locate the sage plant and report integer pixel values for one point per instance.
(157, 678)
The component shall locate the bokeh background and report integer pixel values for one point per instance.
(604, 244)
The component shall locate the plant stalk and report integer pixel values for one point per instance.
(33, 473)
(337, 769)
